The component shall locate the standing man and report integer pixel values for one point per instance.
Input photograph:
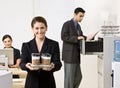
(71, 35)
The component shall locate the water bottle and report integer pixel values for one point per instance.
(117, 50)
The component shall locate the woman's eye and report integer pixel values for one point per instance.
(42, 27)
(37, 28)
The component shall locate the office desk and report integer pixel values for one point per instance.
(18, 82)
(18, 71)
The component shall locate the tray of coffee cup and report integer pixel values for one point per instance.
(40, 66)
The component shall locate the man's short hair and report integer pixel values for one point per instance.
(79, 9)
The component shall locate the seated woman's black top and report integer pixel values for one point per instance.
(16, 54)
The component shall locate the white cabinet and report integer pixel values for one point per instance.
(105, 66)
(100, 71)
(116, 74)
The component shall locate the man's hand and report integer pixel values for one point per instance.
(80, 37)
(90, 37)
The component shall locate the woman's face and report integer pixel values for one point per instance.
(7, 42)
(39, 30)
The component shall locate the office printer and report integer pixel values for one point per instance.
(92, 46)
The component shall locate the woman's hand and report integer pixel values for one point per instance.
(13, 66)
(52, 66)
(17, 65)
(28, 65)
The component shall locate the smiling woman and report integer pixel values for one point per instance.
(39, 27)
(40, 78)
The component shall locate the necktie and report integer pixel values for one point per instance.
(77, 28)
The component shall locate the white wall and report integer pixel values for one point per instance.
(97, 12)
(16, 16)
(56, 13)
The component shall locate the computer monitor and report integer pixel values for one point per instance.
(8, 53)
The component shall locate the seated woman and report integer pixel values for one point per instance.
(7, 40)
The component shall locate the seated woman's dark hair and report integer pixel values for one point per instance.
(6, 36)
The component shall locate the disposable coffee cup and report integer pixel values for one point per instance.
(35, 58)
(46, 58)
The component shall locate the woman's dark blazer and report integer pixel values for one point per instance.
(40, 78)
